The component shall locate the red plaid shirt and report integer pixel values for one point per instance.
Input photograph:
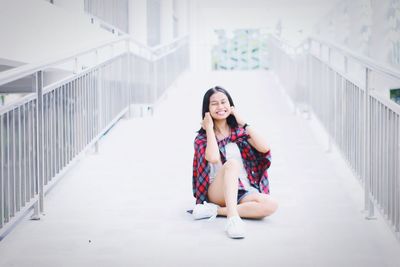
(255, 163)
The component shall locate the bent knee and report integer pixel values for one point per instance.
(269, 206)
(231, 164)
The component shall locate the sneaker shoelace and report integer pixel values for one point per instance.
(212, 218)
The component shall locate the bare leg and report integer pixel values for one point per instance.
(254, 206)
(223, 191)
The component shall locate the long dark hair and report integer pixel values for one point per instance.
(231, 120)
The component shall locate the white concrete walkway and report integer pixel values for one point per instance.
(126, 205)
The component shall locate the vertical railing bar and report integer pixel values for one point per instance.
(22, 154)
(82, 114)
(66, 126)
(395, 150)
(92, 101)
(60, 145)
(13, 167)
(71, 121)
(381, 161)
(7, 172)
(61, 131)
(79, 131)
(77, 116)
(70, 125)
(73, 118)
(379, 150)
(54, 124)
(28, 147)
(376, 147)
(355, 134)
(391, 166)
(397, 176)
(19, 171)
(46, 137)
(39, 207)
(65, 129)
(94, 98)
(51, 114)
(90, 105)
(128, 77)
(2, 164)
(26, 150)
(385, 202)
(387, 163)
(367, 199)
(86, 109)
(99, 102)
(54, 132)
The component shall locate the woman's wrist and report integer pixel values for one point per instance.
(209, 130)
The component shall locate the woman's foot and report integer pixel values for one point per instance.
(204, 211)
(235, 227)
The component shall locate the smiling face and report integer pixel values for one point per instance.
(219, 106)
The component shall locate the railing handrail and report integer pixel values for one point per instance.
(157, 47)
(105, 23)
(175, 40)
(31, 68)
(393, 106)
(363, 60)
(371, 65)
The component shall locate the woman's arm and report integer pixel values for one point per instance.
(255, 140)
(212, 150)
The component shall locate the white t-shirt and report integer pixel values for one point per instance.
(232, 152)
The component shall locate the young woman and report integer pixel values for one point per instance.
(230, 166)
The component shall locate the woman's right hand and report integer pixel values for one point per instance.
(207, 122)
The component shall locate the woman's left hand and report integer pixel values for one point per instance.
(238, 118)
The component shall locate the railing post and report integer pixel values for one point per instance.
(330, 115)
(155, 83)
(295, 86)
(98, 91)
(39, 205)
(2, 200)
(368, 204)
(128, 77)
(165, 73)
(309, 78)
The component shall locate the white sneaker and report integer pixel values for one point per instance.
(235, 227)
(206, 210)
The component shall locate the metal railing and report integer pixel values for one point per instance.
(348, 94)
(114, 14)
(44, 133)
